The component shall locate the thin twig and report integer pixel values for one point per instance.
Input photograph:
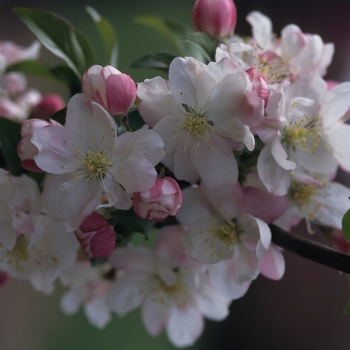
(313, 251)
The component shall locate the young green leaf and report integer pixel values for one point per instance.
(9, 138)
(107, 34)
(57, 35)
(205, 43)
(167, 29)
(32, 67)
(346, 225)
(159, 60)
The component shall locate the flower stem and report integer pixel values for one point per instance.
(313, 251)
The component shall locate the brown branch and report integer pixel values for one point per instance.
(313, 251)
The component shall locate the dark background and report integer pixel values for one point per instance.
(302, 311)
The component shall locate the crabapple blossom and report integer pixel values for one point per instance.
(172, 288)
(317, 200)
(294, 54)
(87, 160)
(41, 256)
(215, 17)
(25, 149)
(163, 199)
(48, 105)
(292, 131)
(113, 90)
(12, 53)
(96, 237)
(223, 233)
(202, 113)
(87, 285)
(20, 201)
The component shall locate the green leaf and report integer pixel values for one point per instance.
(168, 29)
(129, 221)
(10, 135)
(346, 225)
(205, 43)
(57, 35)
(346, 311)
(107, 34)
(60, 116)
(159, 60)
(32, 67)
(64, 73)
(88, 49)
(135, 121)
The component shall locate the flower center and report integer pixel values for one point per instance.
(275, 70)
(96, 163)
(228, 232)
(195, 124)
(20, 250)
(301, 194)
(302, 134)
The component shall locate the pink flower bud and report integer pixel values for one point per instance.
(48, 105)
(113, 90)
(339, 242)
(260, 84)
(215, 17)
(163, 199)
(25, 149)
(4, 277)
(96, 237)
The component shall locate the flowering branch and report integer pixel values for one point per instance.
(310, 250)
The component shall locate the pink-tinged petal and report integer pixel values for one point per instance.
(115, 194)
(210, 302)
(247, 265)
(194, 207)
(183, 163)
(293, 41)
(261, 28)
(230, 86)
(97, 312)
(326, 59)
(272, 264)
(169, 247)
(258, 234)
(338, 139)
(275, 178)
(228, 200)
(56, 146)
(223, 167)
(308, 57)
(146, 142)
(333, 206)
(121, 93)
(154, 314)
(237, 131)
(8, 234)
(221, 276)
(183, 79)
(71, 301)
(90, 122)
(93, 84)
(134, 172)
(263, 205)
(128, 292)
(185, 326)
(157, 101)
(70, 201)
(128, 258)
(335, 105)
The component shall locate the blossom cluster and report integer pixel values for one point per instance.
(229, 146)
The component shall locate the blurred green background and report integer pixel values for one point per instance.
(303, 311)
